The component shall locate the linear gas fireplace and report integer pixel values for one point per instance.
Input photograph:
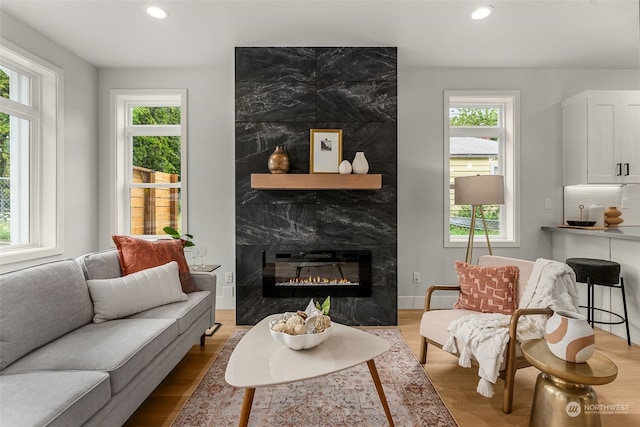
(316, 273)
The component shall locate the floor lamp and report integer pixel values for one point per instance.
(477, 191)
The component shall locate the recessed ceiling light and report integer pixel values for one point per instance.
(481, 12)
(157, 12)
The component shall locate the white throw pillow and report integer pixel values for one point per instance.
(127, 295)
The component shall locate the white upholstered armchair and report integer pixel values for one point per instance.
(434, 323)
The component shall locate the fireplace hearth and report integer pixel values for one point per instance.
(344, 273)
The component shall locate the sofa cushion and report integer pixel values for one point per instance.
(39, 304)
(52, 398)
(122, 296)
(487, 289)
(119, 347)
(434, 324)
(139, 254)
(186, 312)
(101, 265)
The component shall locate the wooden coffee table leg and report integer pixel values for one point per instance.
(246, 407)
(376, 380)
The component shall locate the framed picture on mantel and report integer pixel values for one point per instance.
(325, 150)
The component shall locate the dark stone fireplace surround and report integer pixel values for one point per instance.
(280, 94)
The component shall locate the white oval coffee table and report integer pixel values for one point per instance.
(258, 361)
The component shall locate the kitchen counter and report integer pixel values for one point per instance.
(622, 232)
(621, 245)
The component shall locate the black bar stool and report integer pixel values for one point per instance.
(599, 272)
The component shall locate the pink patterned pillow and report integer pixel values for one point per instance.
(487, 289)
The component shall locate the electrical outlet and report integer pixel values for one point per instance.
(228, 277)
(227, 291)
(416, 277)
(547, 204)
(624, 203)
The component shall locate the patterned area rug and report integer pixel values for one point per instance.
(343, 399)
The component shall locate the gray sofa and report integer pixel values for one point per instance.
(58, 368)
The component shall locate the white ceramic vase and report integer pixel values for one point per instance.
(345, 167)
(360, 164)
(596, 213)
(570, 337)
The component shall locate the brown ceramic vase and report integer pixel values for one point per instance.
(279, 161)
(612, 217)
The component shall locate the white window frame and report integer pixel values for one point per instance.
(120, 158)
(510, 162)
(46, 154)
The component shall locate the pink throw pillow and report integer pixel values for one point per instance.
(487, 289)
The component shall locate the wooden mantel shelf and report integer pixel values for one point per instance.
(300, 181)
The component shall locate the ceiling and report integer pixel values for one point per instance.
(202, 33)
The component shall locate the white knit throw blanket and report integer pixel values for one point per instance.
(484, 336)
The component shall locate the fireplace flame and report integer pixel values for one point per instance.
(318, 281)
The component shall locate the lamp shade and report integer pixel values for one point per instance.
(479, 190)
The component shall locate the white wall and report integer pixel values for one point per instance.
(211, 153)
(420, 162)
(80, 138)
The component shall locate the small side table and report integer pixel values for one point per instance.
(563, 393)
(208, 268)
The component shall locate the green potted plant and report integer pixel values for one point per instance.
(186, 238)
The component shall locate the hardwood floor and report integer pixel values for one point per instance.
(456, 385)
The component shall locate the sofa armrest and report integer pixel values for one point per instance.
(513, 325)
(511, 363)
(432, 289)
(513, 331)
(206, 281)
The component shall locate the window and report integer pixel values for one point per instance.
(30, 156)
(150, 158)
(481, 138)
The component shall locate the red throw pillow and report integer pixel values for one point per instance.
(487, 289)
(139, 254)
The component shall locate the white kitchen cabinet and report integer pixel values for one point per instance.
(601, 138)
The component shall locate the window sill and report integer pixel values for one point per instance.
(9, 256)
(483, 243)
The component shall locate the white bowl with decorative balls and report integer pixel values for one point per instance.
(299, 333)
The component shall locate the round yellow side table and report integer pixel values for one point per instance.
(563, 395)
